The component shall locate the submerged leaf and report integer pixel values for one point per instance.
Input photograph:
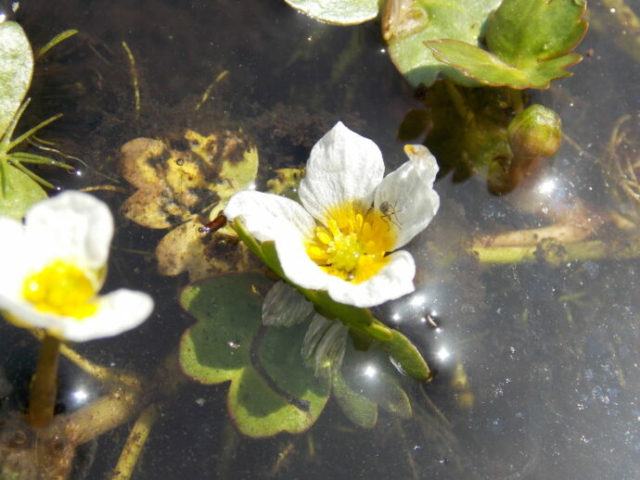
(175, 186)
(366, 382)
(357, 407)
(271, 390)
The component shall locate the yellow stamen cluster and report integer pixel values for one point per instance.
(353, 243)
(63, 289)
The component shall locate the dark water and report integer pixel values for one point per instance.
(538, 362)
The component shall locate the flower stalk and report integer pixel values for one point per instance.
(42, 397)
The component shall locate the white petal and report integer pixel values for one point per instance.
(394, 280)
(272, 218)
(118, 312)
(13, 259)
(267, 217)
(343, 166)
(284, 306)
(408, 194)
(72, 225)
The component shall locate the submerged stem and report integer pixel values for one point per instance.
(44, 386)
(556, 252)
(135, 443)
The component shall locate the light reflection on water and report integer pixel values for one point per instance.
(537, 364)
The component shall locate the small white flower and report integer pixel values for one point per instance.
(52, 268)
(345, 236)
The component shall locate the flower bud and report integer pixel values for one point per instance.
(535, 132)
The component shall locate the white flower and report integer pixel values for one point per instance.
(52, 268)
(345, 236)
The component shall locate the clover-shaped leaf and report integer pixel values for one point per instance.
(271, 390)
(528, 43)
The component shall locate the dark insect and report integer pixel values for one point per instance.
(389, 211)
(214, 225)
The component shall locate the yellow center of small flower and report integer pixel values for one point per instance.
(63, 289)
(354, 243)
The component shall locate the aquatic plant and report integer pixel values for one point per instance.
(339, 247)
(511, 44)
(19, 187)
(336, 254)
(344, 238)
(53, 268)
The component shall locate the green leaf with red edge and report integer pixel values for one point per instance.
(271, 390)
(529, 41)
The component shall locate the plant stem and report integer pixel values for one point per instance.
(135, 443)
(42, 397)
(105, 414)
(556, 252)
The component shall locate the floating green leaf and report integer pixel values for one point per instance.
(339, 12)
(407, 24)
(271, 390)
(19, 188)
(16, 68)
(406, 357)
(19, 192)
(529, 41)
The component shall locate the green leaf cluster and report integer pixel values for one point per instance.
(363, 326)
(528, 42)
(408, 24)
(271, 390)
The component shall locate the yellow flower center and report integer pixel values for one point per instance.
(354, 243)
(63, 289)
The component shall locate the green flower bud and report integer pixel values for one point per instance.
(535, 132)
